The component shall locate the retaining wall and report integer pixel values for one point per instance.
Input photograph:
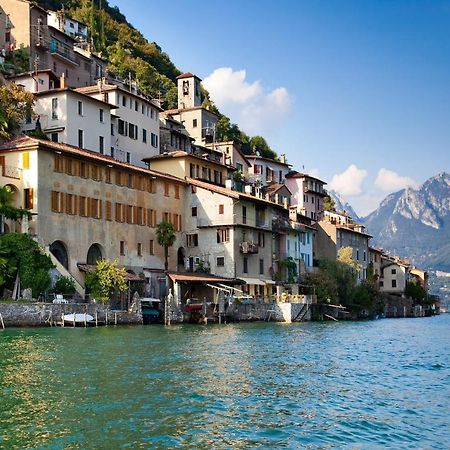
(43, 314)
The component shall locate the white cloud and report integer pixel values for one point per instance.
(254, 109)
(349, 182)
(226, 86)
(390, 181)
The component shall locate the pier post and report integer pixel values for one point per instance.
(3, 323)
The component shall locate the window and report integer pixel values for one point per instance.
(194, 123)
(54, 137)
(194, 211)
(221, 209)
(239, 167)
(25, 160)
(122, 247)
(154, 140)
(80, 138)
(136, 105)
(128, 157)
(394, 283)
(364, 255)
(122, 127)
(28, 198)
(124, 101)
(83, 170)
(108, 210)
(80, 108)
(54, 108)
(95, 208)
(152, 247)
(220, 261)
(177, 191)
(132, 131)
(261, 239)
(82, 206)
(102, 115)
(140, 215)
(101, 144)
(151, 218)
(129, 210)
(139, 249)
(108, 172)
(245, 265)
(192, 240)
(119, 215)
(223, 235)
(244, 214)
(144, 135)
(70, 204)
(56, 202)
(357, 255)
(130, 183)
(261, 266)
(112, 129)
(393, 271)
(258, 169)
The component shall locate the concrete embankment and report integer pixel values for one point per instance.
(47, 314)
(277, 311)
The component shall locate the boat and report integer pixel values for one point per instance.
(78, 318)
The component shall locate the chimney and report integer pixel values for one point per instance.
(283, 158)
(62, 81)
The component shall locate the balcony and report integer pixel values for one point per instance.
(249, 247)
(11, 172)
(65, 54)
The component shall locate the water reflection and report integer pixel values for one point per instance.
(234, 386)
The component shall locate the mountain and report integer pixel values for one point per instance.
(341, 205)
(416, 223)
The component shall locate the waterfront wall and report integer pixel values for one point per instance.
(277, 311)
(46, 314)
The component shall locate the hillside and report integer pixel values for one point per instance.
(129, 53)
(416, 223)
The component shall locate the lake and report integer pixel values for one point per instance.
(374, 384)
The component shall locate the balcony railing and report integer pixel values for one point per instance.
(12, 172)
(214, 222)
(249, 247)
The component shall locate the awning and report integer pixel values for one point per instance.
(256, 281)
(201, 278)
(269, 282)
(130, 276)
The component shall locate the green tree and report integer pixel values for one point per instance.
(15, 105)
(415, 291)
(329, 204)
(258, 143)
(64, 285)
(345, 256)
(24, 254)
(165, 233)
(107, 280)
(7, 211)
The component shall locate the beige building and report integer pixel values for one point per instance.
(230, 234)
(233, 155)
(394, 276)
(182, 164)
(265, 171)
(87, 206)
(336, 231)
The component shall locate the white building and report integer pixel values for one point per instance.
(37, 81)
(70, 117)
(134, 122)
(266, 170)
(199, 122)
(307, 194)
(67, 25)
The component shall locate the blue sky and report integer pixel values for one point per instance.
(357, 92)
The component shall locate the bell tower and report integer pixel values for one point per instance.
(189, 93)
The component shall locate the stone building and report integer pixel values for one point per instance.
(87, 206)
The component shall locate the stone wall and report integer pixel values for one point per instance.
(277, 312)
(45, 314)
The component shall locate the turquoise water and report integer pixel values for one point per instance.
(380, 384)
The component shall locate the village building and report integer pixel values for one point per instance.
(199, 121)
(71, 27)
(264, 171)
(134, 133)
(394, 275)
(36, 81)
(86, 206)
(337, 230)
(48, 47)
(173, 135)
(307, 194)
(233, 156)
(375, 260)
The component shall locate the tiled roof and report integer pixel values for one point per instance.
(23, 142)
(187, 75)
(204, 278)
(275, 187)
(295, 174)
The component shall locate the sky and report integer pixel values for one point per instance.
(354, 92)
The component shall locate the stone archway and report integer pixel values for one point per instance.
(59, 250)
(94, 254)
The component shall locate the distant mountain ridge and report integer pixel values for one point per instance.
(342, 205)
(416, 223)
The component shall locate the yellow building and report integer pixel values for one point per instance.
(87, 206)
